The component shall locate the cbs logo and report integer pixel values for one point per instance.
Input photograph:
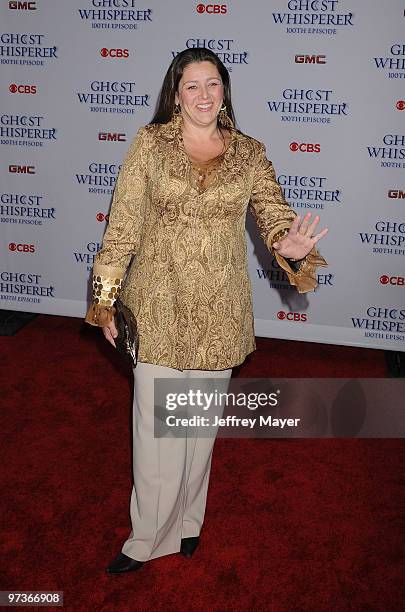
(121, 53)
(212, 9)
(305, 147)
(112, 137)
(22, 248)
(399, 281)
(15, 169)
(292, 316)
(310, 59)
(24, 89)
(102, 217)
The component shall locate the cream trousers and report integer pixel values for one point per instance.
(170, 474)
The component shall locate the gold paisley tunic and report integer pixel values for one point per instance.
(175, 251)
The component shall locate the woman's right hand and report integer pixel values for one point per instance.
(110, 332)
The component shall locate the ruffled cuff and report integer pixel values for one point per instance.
(305, 278)
(302, 274)
(100, 316)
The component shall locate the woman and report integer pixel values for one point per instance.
(179, 206)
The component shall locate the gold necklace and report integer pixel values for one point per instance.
(205, 169)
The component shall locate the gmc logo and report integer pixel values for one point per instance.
(112, 136)
(114, 52)
(392, 280)
(396, 194)
(292, 316)
(21, 248)
(14, 169)
(24, 89)
(310, 59)
(102, 217)
(212, 9)
(22, 6)
(305, 147)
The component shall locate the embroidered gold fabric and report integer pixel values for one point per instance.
(181, 248)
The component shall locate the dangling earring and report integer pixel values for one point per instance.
(224, 118)
(177, 118)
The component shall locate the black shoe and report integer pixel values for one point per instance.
(122, 564)
(189, 545)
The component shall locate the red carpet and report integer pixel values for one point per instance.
(290, 524)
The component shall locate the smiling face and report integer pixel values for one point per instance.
(200, 93)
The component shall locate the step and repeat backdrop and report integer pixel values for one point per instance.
(320, 82)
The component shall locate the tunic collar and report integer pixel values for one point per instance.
(180, 164)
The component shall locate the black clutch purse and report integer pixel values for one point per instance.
(127, 341)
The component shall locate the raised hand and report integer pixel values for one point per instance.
(300, 238)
